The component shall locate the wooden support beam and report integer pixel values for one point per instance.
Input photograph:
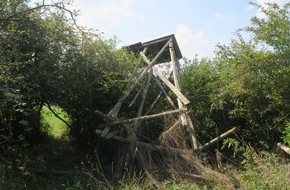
(143, 98)
(147, 145)
(283, 147)
(159, 54)
(222, 136)
(104, 116)
(176, 78)
(164, 92)
(153, 104)
(135, 98)
(146, 117)
(115, 110)
(166, 81)
(190, 127)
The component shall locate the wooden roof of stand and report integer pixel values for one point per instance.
(154, 46)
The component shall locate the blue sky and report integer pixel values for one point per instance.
(199, 25)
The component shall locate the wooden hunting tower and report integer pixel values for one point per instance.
(162, 50)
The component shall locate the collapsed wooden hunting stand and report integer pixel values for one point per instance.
(162, 50)
(177, 159)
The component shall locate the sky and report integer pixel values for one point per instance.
(198, 25)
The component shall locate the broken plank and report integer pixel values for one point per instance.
(222, 136)
(146, 117)
(283, 147)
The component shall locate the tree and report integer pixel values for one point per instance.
(45, 58)
(247, 83)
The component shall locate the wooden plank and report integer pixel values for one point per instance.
(222, 136)
(115, 110)
(146, 117)
(176, 78)
(159, 53)
(165, 93)
(147, 145)
(159, 95)
(104, 116)
(194, 141)
(166, 81)
(135, 98)
(153, 104)
(284, 148)
(143, 98)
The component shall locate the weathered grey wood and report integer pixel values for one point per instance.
(147, 145)
(153, 104)
(176, 78)
(105, 132)
(165, 93)
(222, 136)
(159, 95)
(159, 53)
(103, 116)
(137, 95)
(135, 98)
(146, 117)
(166, 81)
(190, 127)
(144, 94)
(115, 110)
(284, 148)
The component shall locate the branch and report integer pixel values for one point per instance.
(57, 116)
(13, 17)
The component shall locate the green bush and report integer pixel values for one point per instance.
(286, 134)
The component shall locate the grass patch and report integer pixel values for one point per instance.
(53, 125)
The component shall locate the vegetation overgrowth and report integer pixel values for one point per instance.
(54, 74)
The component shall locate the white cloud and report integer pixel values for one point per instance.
(263, 3)
(105, 13)
(191, 43)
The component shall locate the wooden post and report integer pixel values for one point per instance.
(153, 104)
(146, 117)
(283, 147)
(166, 81)
(195, 143)
(115, 110)
(185, 119)
(176, 77)
(144, 94)
(222, 136)
(164, 92)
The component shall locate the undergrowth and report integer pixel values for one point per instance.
(58, 164)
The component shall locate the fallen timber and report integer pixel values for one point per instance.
(142, 118)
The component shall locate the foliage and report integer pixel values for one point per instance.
(286, 134)
(246, 84)
(263, 171)
(46, 59)
(200, 82)
(51, 124)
